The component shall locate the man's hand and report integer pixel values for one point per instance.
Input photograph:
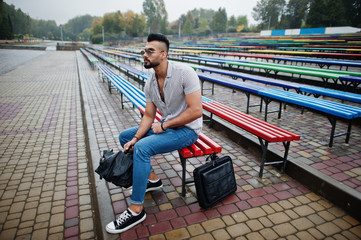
(129, 145)
(157, 127)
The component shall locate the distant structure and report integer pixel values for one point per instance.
(306, 31)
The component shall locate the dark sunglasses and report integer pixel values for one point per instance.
(148, 52)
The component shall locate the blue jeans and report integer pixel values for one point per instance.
(150, 145)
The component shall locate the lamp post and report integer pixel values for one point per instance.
(179, 28)
(61, 33)
(103, 34)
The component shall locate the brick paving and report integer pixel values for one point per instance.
(45, 186)
(46, 178)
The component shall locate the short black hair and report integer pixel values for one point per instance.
(158, 37)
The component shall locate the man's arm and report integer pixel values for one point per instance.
(144, 126)
(194, 111)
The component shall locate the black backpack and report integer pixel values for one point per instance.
(116, 167)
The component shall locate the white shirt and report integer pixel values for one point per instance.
(180, 81)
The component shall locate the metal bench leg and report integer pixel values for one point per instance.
(109, 87)
(287, 148)
(202, 82)
(183, 162)
(280, 111)
(264, 146)
(333, 123)
(348, 131)
(267, 101)
(121, 99)
(248, 96)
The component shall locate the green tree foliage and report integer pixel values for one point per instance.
(328, 13)
(269, 12)
(77, 29)
(196, 21)
(307, 13)
(234, 24)
(117, 25)
(44, 29)
(6, 27)
(295, 15)
(219, 20)
(353, 12)
(14, 22)
(156, 14)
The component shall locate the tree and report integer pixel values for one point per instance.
(188, 24)
(269, 12)
(219, 21)
(75, 26)
(156, 14)
(296, 12)
(327, 13)
(6, 29)
(237, 24)
(138, 25)
(134, 23)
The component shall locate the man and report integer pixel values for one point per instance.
(174, 90)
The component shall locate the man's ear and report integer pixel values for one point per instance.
(164, 54)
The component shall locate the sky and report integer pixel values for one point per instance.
(63, 10)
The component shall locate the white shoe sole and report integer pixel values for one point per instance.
(110, 230)
(148, 189)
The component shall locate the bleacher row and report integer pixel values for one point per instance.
(333, 111)
(345, 78)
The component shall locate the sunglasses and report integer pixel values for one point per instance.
(148, 52)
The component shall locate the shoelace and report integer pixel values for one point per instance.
(123, 217)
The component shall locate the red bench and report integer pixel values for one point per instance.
(266, 132)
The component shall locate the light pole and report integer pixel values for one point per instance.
(61, 33)
(103, 34)
(179, 28)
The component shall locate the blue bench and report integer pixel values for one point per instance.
(91, 59)
(350, 81)
(203, 146)
(221, 62)
(320, 62)
(142, 76)
(332, 110)
(324, 74)
(286, 85)
(247, 88)
(318, 91)
(299, 88)
(106, 59)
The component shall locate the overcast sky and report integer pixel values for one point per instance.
(63, 10)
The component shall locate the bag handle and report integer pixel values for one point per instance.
(211, 157)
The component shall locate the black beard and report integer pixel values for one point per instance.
(150, 65)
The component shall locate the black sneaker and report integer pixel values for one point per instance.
(125, 221)
(154, 186)
(151, 186)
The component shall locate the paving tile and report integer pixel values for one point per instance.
(328, 228)
(220, 234)
(284, 229)
(181, 233)
(195, 229)
(195, 218)
(268, 233)
(279, 217)
(302, 224)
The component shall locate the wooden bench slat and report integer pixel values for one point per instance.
(256, 126)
